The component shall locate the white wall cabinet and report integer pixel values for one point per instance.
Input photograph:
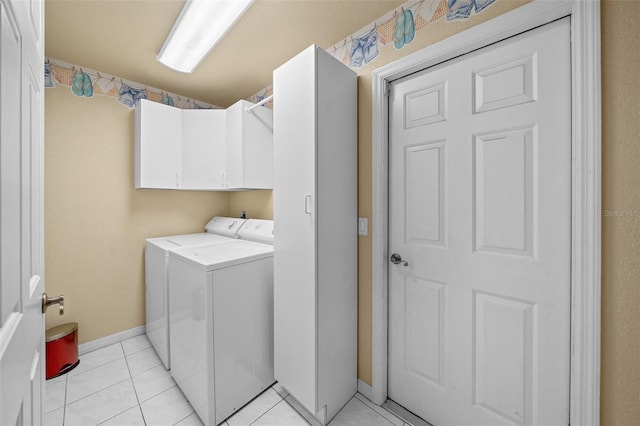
(249, 150)
(158, 146)
(203, 149)
(204, 142)
(315, 209)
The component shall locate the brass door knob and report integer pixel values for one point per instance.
(48, 301)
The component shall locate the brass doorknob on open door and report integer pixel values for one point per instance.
(396, 259)
(47, 301)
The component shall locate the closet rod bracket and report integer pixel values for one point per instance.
(262, 102)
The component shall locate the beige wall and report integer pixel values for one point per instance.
(95, 222)
(257, 204)
(620, 390)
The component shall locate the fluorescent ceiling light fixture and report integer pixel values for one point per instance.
(199, 27)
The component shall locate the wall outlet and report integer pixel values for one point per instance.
(363, 226)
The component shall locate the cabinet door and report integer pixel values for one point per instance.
(295, 237)
(158, 134)
(234, 173)
(203, 148)
(249, 147)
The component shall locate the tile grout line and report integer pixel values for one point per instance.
(302, 415)
(108, 387)
(252, 400)
(94, 368)
(101, 365)
(124, 355)
(378, 414)
(368, 402)
(95, 392)
(188, 415)
(135, 391)
(64, 404)
(155, 394)
(262, 415)
(143, 371)
(148, 368)
(175, 385)
(138, 351)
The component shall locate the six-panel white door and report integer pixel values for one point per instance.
(21, 206)
(480, 208)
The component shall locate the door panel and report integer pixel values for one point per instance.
(425, 180)
(21, 205)
(426, 106)
(504, 346)
(425, 324)
(505, 84)
(10, 172)
(504, 210)
(480, 208)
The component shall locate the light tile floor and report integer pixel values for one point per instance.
(126, 384)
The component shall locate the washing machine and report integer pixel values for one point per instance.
(221, 321)
(218, 230)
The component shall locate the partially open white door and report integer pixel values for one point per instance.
(480, 209)
(21, 212)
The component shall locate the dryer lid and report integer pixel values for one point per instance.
(226, 226)
(258, 230)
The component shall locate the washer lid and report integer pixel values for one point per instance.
(223, 255)
(258, 230)
(227, 226)
(196, 239)
(177, 241)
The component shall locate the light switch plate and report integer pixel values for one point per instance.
(363, 226)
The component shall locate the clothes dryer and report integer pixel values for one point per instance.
(218, 230)
(221, 321)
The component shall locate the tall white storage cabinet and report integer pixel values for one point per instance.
(315, 211)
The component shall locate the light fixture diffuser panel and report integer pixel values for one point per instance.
(199, 27)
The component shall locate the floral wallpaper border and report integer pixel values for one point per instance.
(397, 28)
(85, 82)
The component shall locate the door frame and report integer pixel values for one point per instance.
(585, 176)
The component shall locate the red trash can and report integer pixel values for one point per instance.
(62, 349)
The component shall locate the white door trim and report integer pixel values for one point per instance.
(586, 161)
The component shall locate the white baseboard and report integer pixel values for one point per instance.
(365, 389)
(110, 340)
